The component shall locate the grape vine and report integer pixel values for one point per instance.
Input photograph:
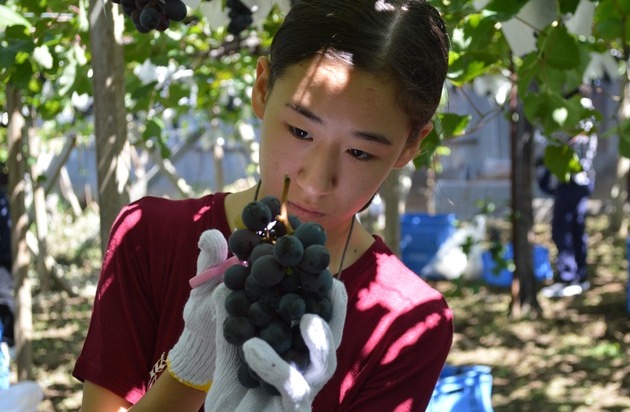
(148, 15)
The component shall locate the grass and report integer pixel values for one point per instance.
(575, 358)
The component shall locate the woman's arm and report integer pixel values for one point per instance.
(167, 394)
(98, 399)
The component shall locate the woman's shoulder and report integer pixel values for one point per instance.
(380, 267)
(157, 215)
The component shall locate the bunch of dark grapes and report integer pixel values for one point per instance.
(285, 277)
(240, 17)
(148, 15)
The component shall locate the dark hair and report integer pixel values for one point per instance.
(404, 40)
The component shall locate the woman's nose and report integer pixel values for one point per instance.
(317, 174)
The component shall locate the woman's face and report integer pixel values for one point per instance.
(335, 131)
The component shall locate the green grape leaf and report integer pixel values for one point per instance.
(559, 48)
(624, 138)
(9, 17)
(562, 161)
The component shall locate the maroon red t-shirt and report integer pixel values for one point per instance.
(397, 334)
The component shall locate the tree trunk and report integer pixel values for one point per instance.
(390, 193)
(524, 301)
(41, 216)
(619, 193)
(19, 249)
(421, 196)
(112, 147)
(218, 155)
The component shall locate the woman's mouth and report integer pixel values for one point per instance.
(304, 213)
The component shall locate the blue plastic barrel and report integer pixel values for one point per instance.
(463, 389)
(421, 235)
(542, 266)
(4, 363)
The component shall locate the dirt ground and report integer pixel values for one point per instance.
(575, 358)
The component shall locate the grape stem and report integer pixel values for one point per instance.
(284, 215)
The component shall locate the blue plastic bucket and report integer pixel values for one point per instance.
(542, 266)
(463, 389)
(4, 363)
(421, 236)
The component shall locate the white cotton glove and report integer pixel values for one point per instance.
(297, 390)
(226, 391)
(192, 359)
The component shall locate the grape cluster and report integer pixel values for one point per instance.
(286, 276)
(240, 17)
(148, 15)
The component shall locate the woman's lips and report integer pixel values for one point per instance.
(304, 213)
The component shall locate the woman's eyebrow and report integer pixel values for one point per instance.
(372, 137)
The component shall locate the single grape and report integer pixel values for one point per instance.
(294, 221)
(238, 6)
(234, 277)
(163, 23)
(150, 17)
(254, 290)
(242, 242)
(311, 233)
(237, 303)
(316, 258)
(291, 307)
(290, 283)
(298, 358)
(298, 339)
(238, 329)
(256, 216)
(320, 306)
(317, 284)
(271, 299)
(260, 250)
(288, 250)
(239, 23)
(246, 376)
(277, 229)
(273, 203)
(269, 388)
(278, 335)
(267, 271)
(175, 9)
(259, 314)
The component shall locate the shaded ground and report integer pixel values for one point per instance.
(577, 358)
(574, 359)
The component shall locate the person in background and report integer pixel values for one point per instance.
(568, 224)
(347, 94)
(7, 314)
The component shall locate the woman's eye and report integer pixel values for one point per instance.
(360, 154)
(299, 133)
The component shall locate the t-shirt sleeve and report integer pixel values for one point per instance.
(117, 350)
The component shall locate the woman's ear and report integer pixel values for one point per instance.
(413, 146)
(261, 84)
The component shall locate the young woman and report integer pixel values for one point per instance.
(346, 95)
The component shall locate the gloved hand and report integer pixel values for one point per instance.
(297, 390)
(226, 391)
(192, 359)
